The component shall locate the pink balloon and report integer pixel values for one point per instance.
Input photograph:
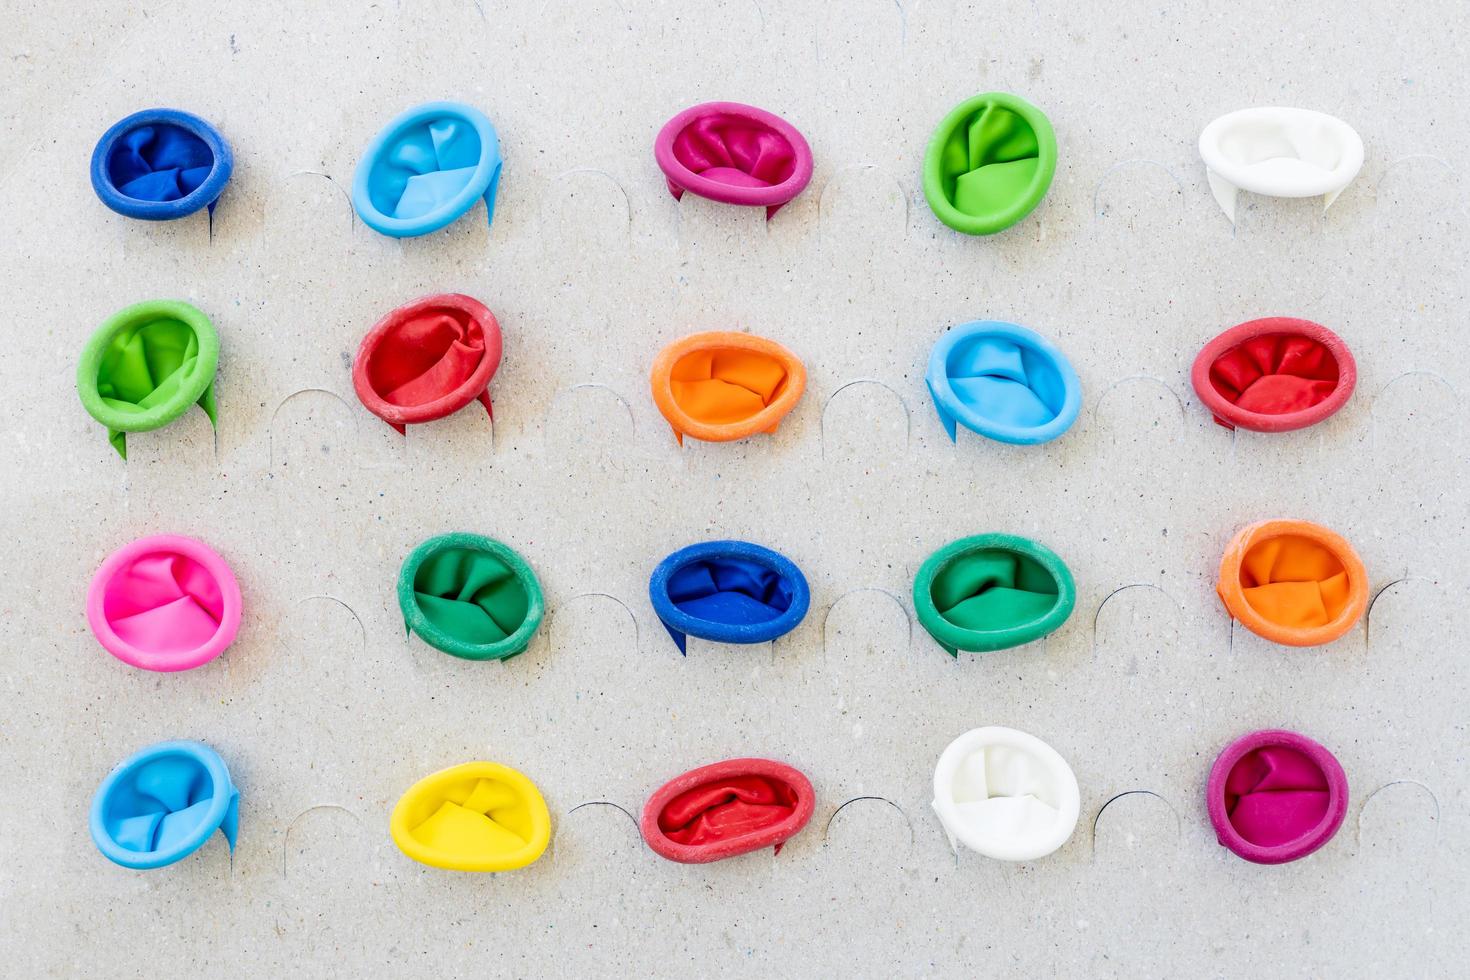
(164, 603)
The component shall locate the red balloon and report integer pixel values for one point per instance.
(727, 808)
(1274, 374)
(428, 359)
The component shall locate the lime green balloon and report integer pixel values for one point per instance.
(989, 163)
(146, 365)
(992, 591)
(470, 596)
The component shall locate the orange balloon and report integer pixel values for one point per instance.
(1293, 582)
(721, 386)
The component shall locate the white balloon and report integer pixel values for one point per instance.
(1280, 152)
(1005, 794)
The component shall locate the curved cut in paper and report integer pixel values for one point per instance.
(1274, 374)
(723, 385)
(1004, 382)
(426, 169)
(1005, 794)
(161, 804)
(735, 154)
(1293, 582)
(476, 816)
(989, 163)
(727, 808)
(728, 592)
(992, 591)
(164, 603)
(160, 164)
(470, 596)
(1280, 152)
(145, 366)
(428, 359)
(1276, 796)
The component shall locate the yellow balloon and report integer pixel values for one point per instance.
(476, 816)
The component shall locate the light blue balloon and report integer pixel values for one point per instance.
(426, 168)
(1004, 382)
(160, 805)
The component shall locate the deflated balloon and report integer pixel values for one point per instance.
(476, 816)
(162, 803)
(734, 153)
(727, 808)
(729, 592)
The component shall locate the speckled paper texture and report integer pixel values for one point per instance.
(325, 712)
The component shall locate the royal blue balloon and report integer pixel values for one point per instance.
(729, 592)
(162, 804)
(160, 164)
(1004, 382)
(426, 168)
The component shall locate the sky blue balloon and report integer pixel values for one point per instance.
(1004, 382)
(426, 168)
(161, 804)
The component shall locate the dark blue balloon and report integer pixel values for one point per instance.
(729, 592)
(160, 164)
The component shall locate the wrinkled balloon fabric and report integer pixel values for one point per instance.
(728, 592)
(727, 808)
(162, 803)
(145, 366)
(426, 168)
(989, 163)
(161, 164)
(1293, 582)
(428, 359)
(476, 816)
(1276, 796)
(1274, 374)
(1002, 381)
(735, 154)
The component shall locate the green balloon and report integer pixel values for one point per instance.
(470, 596)
(989, 163)
(992, 591)
(146, 365)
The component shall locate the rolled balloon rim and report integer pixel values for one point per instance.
(945, 807)
(1232, 593)
(772, 197)
(1329, 182)
(675, 620)
(772, 836)
(1337, 796)
(202, 196)
(481, 183)
(951, 405)
(217, 817)
(1232, 416)
(197, 383)
(956, 638)
(198, 551)
(402, 833)
(417, 622)
(1046, 142)
(766, 420)
(448, 403)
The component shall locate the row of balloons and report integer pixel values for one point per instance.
(147, 364)
(171, 603)
(1273, 796)
(989, 162)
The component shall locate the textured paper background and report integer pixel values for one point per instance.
(325, 714)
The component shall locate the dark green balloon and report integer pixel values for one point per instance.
(992, 591)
